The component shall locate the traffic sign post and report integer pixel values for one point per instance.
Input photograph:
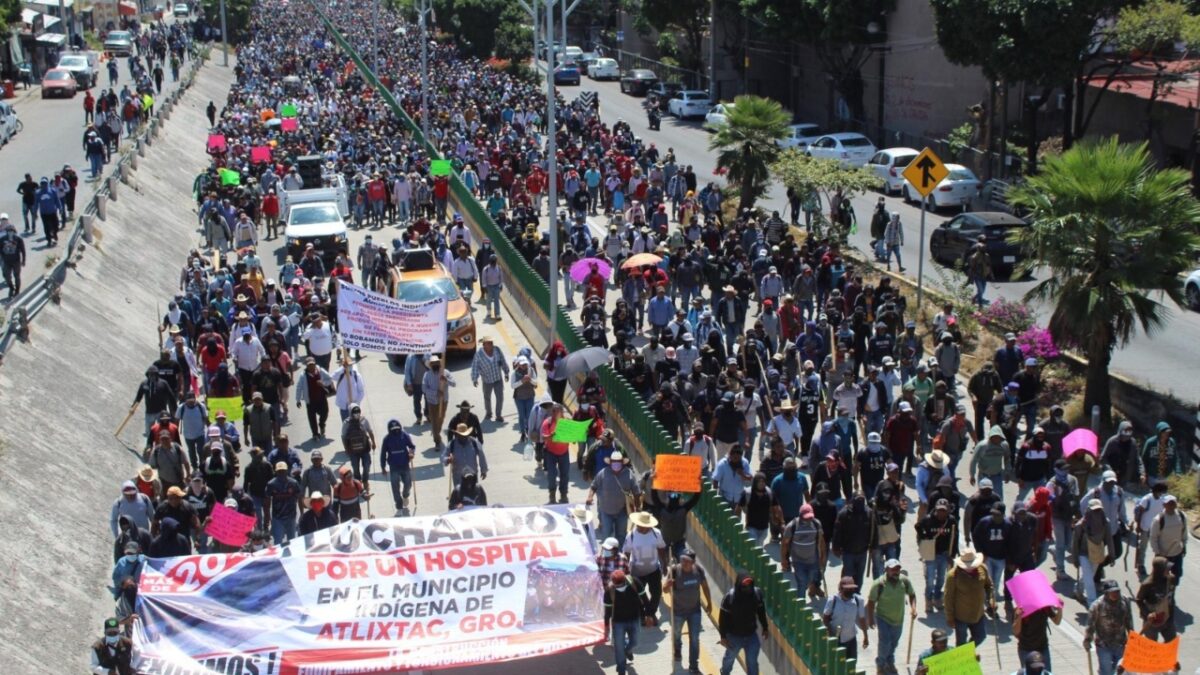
(923, 174)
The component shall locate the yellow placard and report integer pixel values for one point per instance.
(677, 473)
(957, 661)
(925, 172)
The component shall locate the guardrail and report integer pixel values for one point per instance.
(799, 642)
(46, 288)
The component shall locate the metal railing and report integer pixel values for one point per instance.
(39, 292)
(666, 72)
(800, 642)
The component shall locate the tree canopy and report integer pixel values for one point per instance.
(828, 177)
(747, 144)
(689, 17)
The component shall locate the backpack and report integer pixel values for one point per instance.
(356, 437)
(804, 542)
(1066, 503)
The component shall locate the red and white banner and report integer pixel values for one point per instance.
(374, 322)
(469, 587)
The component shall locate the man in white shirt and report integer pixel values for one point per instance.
(687, 354)
(701, 445)
(319, 338)
(1144, 512)
(732, 476)
(349, 387)
(464, 271)
(890, 378)
(786, 426)
(459, 232)
(647, 551)
(247, 352)
(750, 405)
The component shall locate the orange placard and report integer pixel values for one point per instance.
(1143, 655)
(677, 473)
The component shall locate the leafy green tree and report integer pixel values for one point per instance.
(237, 16)
(838, 30)
(10, 11)
(1151, 33)
(514, 36)
(747, 144)
(688, 17)
(827, 177)
(1114, 234)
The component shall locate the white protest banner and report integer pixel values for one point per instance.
(468, 587)
(374, 322)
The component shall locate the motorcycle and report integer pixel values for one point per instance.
(655, 118)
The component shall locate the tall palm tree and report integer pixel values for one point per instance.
(747, 144)
(1114, 233)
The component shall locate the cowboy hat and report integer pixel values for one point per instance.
(936, 459)
(583, 515)
(147, 473)
(968, 559)
(462, 429)
(643, 519)
(315, 496)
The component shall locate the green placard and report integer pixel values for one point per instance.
(957, 661)
(288, 110)
(570, 431)
(440, 167)
(230, 177)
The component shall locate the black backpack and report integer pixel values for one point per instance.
(1066, 504)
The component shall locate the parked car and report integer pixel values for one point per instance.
(716, 115)
(689, 103)
(420, 278)
(9, 124)
(665, 91)
(1191, 290)
(59, 82)
(80, 66)
(956, 189)
(118, 43)
(953, 239)
(638, 82)
(604, 69)
(585, 62)
(888, 165)
(849, 148)
(799, 136)
(567, 73)
(181, 10)
(571, 54)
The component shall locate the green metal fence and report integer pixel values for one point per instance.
(793, 620)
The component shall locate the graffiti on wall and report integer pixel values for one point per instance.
(905, 102)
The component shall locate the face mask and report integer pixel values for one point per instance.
(622, 587)
(318, 507)
(132, 557)
(257, 547)
(616, 466)
(111, 639)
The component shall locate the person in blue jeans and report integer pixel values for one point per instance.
(395, 456)
(688, 586)
(742, 612)
(885, 611)
(623, 598)
(283, 503)
(1110, 619)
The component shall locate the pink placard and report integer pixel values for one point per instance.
(1031, 591)
(289, 124)
(228, 526)
(1080, 439)
(260, 154)
(216, 142)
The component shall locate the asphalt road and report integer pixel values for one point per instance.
(1162, 360)
(52, 137)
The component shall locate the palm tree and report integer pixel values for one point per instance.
(747, 144)
(1114, 233)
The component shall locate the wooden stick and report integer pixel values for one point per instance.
(125, 421)
(1089, 655)
(912, 625)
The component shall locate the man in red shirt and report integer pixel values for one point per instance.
(376, 199)
(899, 434)
(535, 183)
(441, 194)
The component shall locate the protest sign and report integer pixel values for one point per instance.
(229, 177)
(1143, 655)
(957, 661)
(288, 110)
(228, 526)
(216, 143)
(677, 473)
(1080, 439)
(1031, 591)
(388, 595)
(260, 154)
(289, 124)
(377, 323)
(440, 167)
(231, 406)
(570, 431)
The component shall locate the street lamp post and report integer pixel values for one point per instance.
(224, 38)
(424, 7)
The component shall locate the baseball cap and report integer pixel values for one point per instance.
(281, 466)
(1110, 476)
(610, 544)
(985, 483)
(891, 563)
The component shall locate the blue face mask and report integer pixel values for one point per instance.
(132, 557)
(111, 639)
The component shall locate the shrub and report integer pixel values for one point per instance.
(1059, 387)
(1037, 342)
(1183, 486)
(1006, 316)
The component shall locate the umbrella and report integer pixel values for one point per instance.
(640, 259)
(582, 361)
(1080, 439)
(582, 268)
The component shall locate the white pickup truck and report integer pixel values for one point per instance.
(316, 216)
(336, 192)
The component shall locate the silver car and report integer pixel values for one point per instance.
(80, 66)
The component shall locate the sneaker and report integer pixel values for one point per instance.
(629, 655)
(676, 655)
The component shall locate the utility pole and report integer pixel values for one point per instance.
(712, 51)
(424, 7)
(224, 38)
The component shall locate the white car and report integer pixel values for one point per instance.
(181, 9)
(849, 148)
(716, 116)
(888, 165)
(956, 189)
(8, 122)
(800, 136)
(604, 69)
(81, 68)
(1191, 290)
(689, 103)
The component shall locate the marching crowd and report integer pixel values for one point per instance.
(804, 385)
